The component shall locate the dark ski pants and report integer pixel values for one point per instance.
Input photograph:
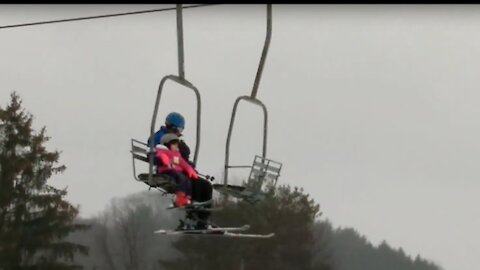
(202, 192)
(184, 184)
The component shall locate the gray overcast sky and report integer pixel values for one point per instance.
(374, 110)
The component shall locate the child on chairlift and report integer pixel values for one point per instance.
(174, 165)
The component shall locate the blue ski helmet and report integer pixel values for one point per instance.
(176, 120)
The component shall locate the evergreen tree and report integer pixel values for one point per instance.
(34, 216)
(352, 251)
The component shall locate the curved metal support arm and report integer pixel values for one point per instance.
(266, 46)
(189, 85)
(230, 129)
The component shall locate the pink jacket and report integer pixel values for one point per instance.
(172, 160)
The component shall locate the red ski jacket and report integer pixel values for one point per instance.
(172, 160)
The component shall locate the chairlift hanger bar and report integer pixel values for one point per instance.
(180, 79)
(252, 98)
(264, 52)
(181, 63)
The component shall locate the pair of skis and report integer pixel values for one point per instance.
(210, 231)
(217, 231)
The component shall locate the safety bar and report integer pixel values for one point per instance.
(265, 169)
(240, 166)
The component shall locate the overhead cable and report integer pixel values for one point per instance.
(100, 16)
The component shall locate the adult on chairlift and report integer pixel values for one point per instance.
(201, 188)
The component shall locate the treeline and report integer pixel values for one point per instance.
(352, 251)
(122, 238)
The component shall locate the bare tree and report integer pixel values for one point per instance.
(124, 236)
(101, 243)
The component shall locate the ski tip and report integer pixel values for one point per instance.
(270, 235)
(241, 235)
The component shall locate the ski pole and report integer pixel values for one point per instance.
(208, 177)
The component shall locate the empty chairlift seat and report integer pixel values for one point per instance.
(264, 172)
